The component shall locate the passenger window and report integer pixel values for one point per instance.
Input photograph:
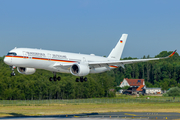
(12, 54)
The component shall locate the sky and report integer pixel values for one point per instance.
(90, 26)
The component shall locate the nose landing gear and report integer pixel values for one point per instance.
(12, 68)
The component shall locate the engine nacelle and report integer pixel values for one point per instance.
(80, 70)
(26, 71)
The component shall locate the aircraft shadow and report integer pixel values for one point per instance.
(16, 115)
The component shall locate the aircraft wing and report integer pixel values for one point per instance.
(115, 64)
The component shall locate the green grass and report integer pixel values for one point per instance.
(116, 100)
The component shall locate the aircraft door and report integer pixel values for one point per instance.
(25, 55)
(12, 54)
(49, 57)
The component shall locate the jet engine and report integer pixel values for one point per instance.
(26, 71)
(80, 69)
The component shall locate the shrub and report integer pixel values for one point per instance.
(165, 95)
(175, 91)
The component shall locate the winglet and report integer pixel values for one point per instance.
(172, 53)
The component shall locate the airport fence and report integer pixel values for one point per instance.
(90, 101)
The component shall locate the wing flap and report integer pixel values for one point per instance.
(63, 65)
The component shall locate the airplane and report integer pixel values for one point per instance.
(27, 60)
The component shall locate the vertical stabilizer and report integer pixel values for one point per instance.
(117, 51)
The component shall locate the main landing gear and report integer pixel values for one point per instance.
(12, 68)
(54, 77)
(81, 79)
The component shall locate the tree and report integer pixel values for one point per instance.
(125, 87)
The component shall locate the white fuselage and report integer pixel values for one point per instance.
(46, 59)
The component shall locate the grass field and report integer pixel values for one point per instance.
(57, 107)
(87, 108)
(120, 99)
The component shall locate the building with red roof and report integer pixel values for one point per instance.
(135, 85)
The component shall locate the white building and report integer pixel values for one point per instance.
(153, 91)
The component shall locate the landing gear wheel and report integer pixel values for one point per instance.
(81, 79)
(85, 79)
(13, 74)
(58, 78)
(50, 79)
(54, 78)
(77, 79)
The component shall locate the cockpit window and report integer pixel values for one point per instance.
(12, 54)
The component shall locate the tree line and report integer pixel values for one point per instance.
(163, 73)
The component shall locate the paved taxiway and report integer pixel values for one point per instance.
(101, 116)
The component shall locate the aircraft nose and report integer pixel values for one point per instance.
(7, 60)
